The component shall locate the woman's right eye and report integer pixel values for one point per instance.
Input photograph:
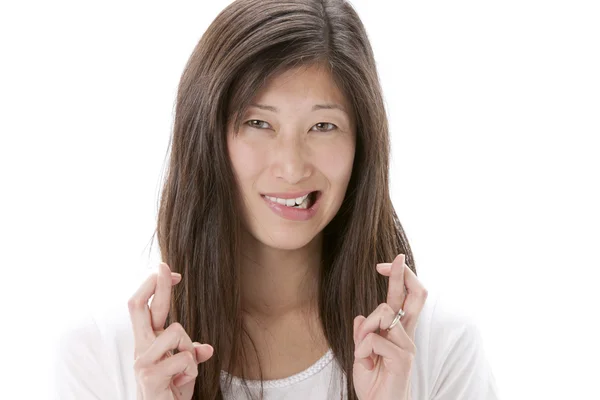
(256, 123)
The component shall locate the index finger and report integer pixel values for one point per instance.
(396, 294)
(139, 313)
(161, 302)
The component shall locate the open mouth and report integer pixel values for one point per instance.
(299, 203)
(311, 199)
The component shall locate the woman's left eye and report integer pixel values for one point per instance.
(326, 123)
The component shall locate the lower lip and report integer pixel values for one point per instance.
(294, 214)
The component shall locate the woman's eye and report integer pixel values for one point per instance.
(254, 125)
(326, 123)
(321, 126)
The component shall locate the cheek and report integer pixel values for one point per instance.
(247, 161)
(336, 163)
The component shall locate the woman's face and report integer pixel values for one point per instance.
(289, 145)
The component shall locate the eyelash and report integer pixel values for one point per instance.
(254, 126)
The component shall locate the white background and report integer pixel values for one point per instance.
(494, 114)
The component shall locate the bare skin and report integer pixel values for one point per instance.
(285, 346)
(286, 145)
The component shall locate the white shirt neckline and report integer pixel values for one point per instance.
(283, 382)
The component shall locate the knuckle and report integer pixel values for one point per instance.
(403, 356)
(137, 365)
(399, 353)
(145, 377)
(146, 380)
(135, 303)
(385, 308)
(148, 337)
(193, 370)
(175, 330)
(409, 351)
(176, 327)
(189, 358)
(369, 337)
(413, 350)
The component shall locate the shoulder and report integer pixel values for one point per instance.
(442, 321)
(85, 362)
(450, 351)
(94, 351)
(99, 332)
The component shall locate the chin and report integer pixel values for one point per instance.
(284, 237)
(292, 239)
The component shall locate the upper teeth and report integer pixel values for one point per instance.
(288, 202)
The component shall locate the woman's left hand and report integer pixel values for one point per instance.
(383, 359)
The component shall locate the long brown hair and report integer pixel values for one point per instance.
(199, 221)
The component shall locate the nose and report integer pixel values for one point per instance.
(291, 159)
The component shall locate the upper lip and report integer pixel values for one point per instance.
(291, 195)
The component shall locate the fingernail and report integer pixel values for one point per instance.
(384, 266)
(176, 274)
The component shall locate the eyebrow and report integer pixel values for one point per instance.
(315, 107)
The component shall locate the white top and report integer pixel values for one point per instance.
(94, 360)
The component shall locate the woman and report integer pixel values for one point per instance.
(277, 229)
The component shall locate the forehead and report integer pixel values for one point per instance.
(302, 86)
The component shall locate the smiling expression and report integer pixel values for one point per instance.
(297, 136)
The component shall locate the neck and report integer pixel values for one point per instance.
(278, 282)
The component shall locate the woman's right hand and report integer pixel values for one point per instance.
(160, 375)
